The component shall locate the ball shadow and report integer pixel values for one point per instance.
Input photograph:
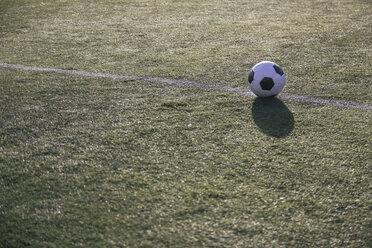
(272, 116)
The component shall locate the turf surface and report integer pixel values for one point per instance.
(101, 162)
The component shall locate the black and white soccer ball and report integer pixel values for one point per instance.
(266, 79)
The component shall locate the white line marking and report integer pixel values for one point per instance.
(239, 91)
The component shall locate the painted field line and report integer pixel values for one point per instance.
(239, 91)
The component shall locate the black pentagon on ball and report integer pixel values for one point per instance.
(279, 70)
(251, 76)
(267, 83)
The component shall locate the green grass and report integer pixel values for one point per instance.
(109, 163)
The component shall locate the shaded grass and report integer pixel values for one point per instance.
(105, 162)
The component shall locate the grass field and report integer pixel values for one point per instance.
(97, 162)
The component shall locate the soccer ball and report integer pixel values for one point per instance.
(266, 79)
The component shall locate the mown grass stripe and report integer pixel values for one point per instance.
(239, 91)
